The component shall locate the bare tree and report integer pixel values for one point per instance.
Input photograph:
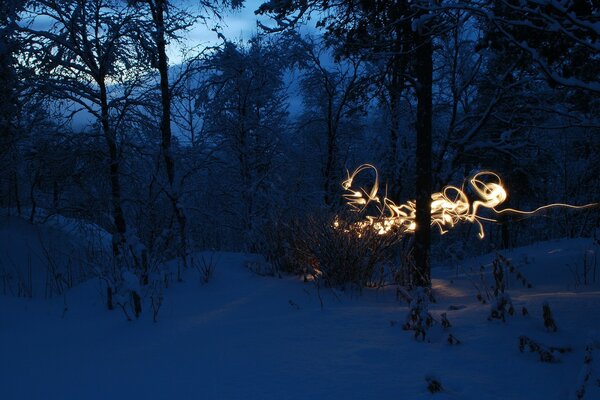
(82, 55)
(9, 82)
(561, 38)
(333, 97)
(246, 114)
(389, 31)
(165, 21)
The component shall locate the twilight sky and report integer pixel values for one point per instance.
(238, 24)
(235, 25)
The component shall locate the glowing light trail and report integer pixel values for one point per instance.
(448, 207)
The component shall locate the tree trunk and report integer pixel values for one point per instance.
(8, 102)
(331, 134)
(395, 89)
(392, 171)
(165, 128)
(17, 196)
(424, 72)
(114, 173)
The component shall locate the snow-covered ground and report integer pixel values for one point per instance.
(245, 336)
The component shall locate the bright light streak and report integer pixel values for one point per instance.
(449, 207)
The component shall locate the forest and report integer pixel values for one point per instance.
(356, 145)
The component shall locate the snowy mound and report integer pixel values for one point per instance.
(45, 259)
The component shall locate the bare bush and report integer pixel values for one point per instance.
(586, 273)
(585, 373)
(549, 322)
(206, 266)
(333, 250)
(546, 353)
(13, 279)
(433, 385)
(419, 318)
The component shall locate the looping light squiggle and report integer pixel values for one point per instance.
(449, 207)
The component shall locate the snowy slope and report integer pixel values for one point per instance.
(43, 259)
(244, 336)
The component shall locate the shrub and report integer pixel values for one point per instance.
(549, 322)
(546, 353)
(330, 249)
(419, 319)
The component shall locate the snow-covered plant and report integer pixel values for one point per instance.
(482, 287)
(499, 276)
(154, 291)
(13, 280)
(403, 269)
(586, 273)
(511, 268)
(127, 294)
(586, 370)
(501, 303)
(419, 319)
(139, 257)
(260, 266)
(546, 353)
(452, 340)
(502, 268)
(500, 306)
(205, 266)
(433, 384)
(245, 116)
(156, 303)
(159, 279)
(445, 322)
(549, 323)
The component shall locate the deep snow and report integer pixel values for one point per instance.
(245, 336)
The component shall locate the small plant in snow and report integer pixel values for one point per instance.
(501, 303)
(24, 285)
(511, 268)
(206, 267)
(433, 384)
(499, 276)
(501, 306)
(127, 295)
(546, 353)
(158, 281)
(501, 269)
(139, 257)
(419, 319)
(137, 303)
(501, 266)
(445, 322)
(548, 319)
(156, 302)
(452, 340)
(586, 370)
(293, 304)
(587, 272)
